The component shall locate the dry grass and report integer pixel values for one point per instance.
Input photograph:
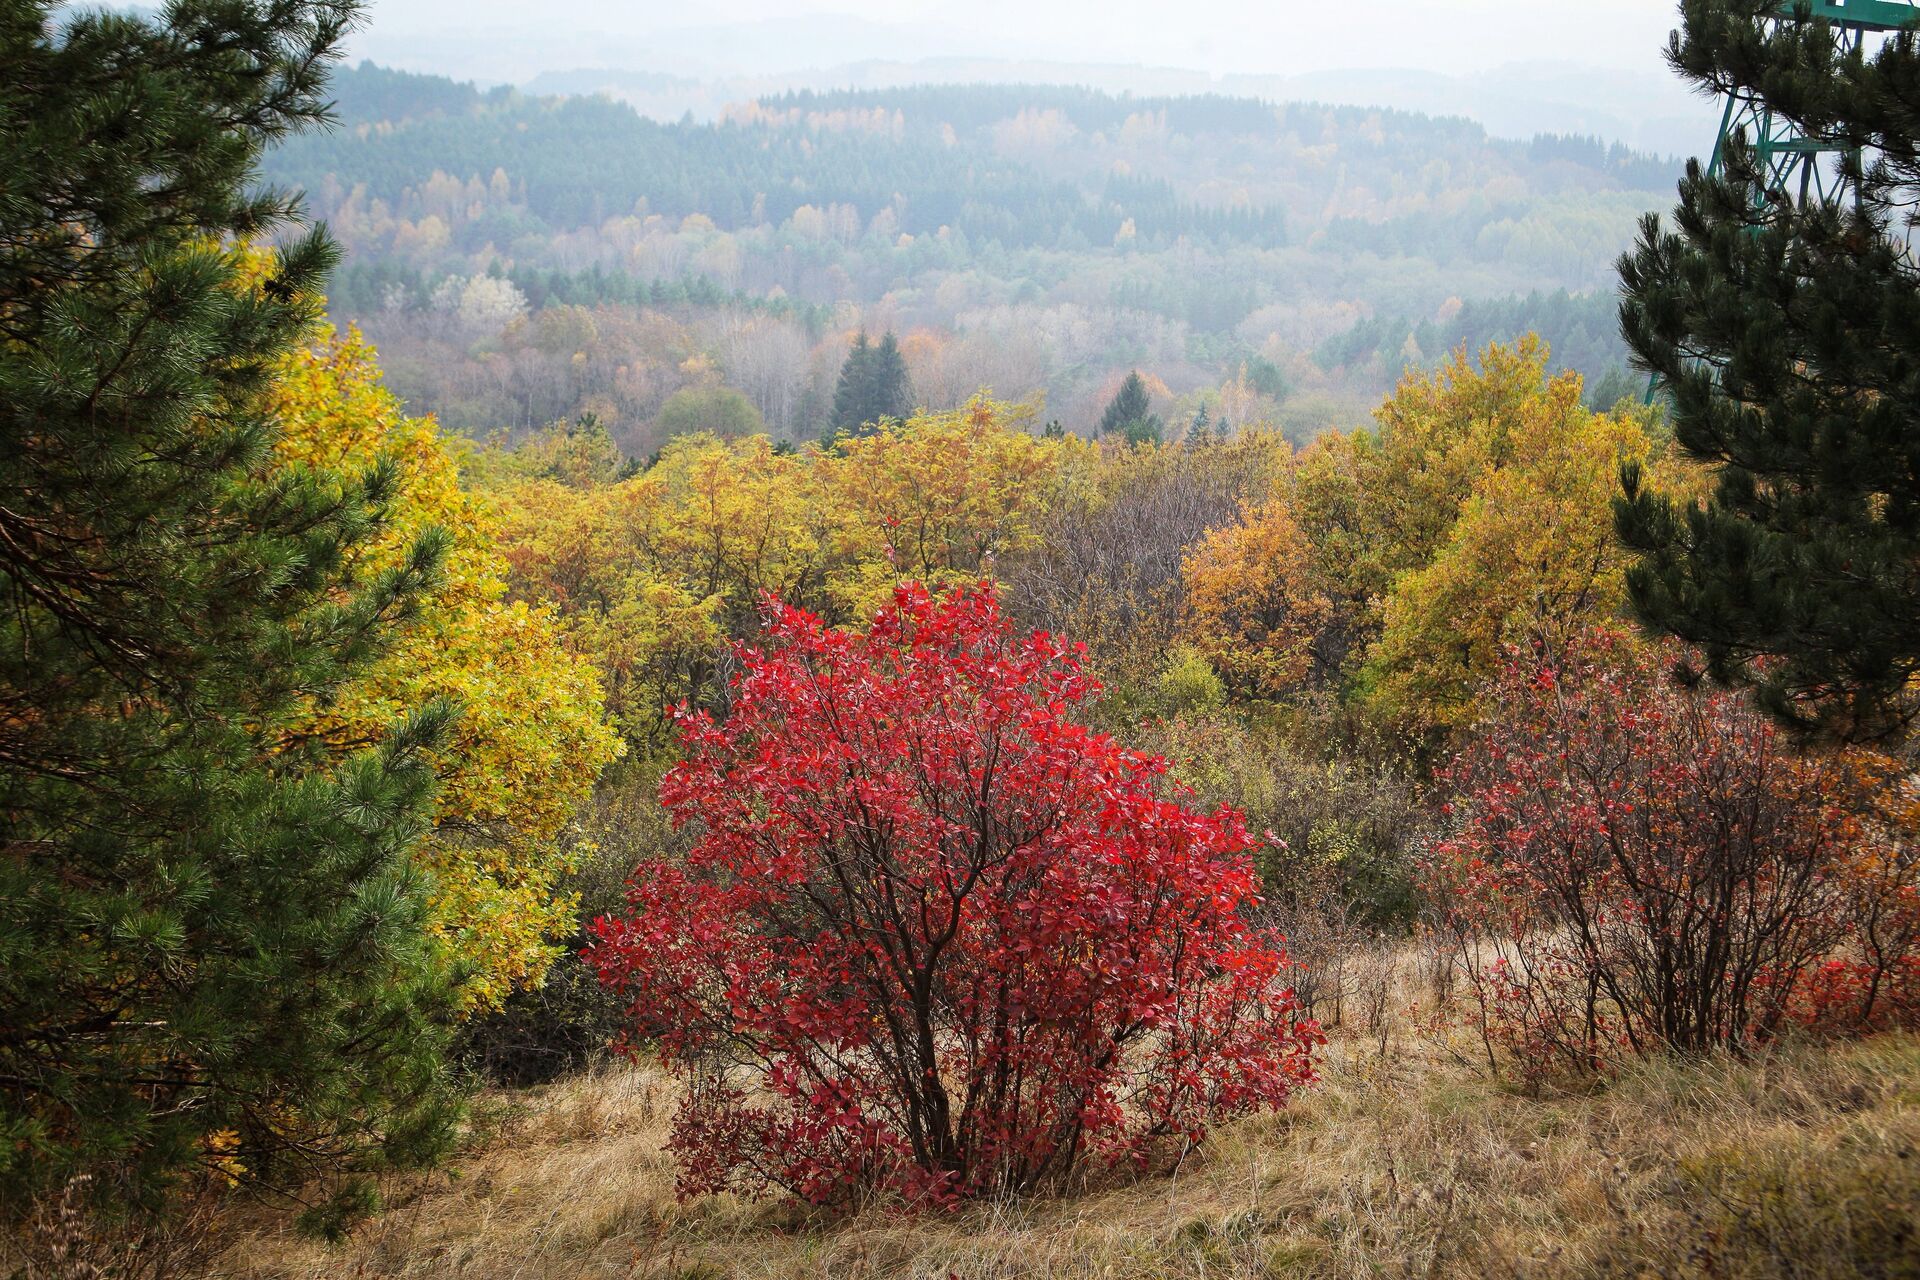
(1403, 1162)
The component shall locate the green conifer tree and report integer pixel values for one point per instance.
(211, 945)
(1200, 430)
(891, 395)
(873, 385)
(1788, 338)
(854, 392)
(1130, 413)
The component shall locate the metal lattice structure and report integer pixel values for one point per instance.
(1795, 166)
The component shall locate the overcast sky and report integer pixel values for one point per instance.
(1284, 37)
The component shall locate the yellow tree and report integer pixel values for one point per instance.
(654, 573)
(578, 453)
(1437, 435)
(741, 520)
(553, 537)
(601, 557)
(939, 498)
(1531, 556)
(531, 737)
(1325, 495)
(1252, 605)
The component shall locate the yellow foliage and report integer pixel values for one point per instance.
(1252, 606)
(1324, 492)
(746, 521)
(936, 498)
(653, 573)
(219, 1154)
(530, 739)
(1439, 433)
(1529, 553)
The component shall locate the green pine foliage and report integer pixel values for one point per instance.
(1582, 332)
(873, 386)
(211, 952)
(1788, 338)
(583, 158)
(855, 388)
(1200, 430)
(1130, 413)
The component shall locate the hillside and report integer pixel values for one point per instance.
(1405, 1161)
(1055, 236)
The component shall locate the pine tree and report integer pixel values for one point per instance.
(1131, 412)
(211, 948)
(855, 389)
(1788, 338)
(1200, 430)
(873, 385)
(891, 396)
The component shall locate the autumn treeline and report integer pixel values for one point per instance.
(1378, 571)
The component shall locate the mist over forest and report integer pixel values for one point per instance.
(521, 259)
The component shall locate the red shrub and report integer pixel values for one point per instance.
(935, 938)
(1874, 982)
(1636, 865)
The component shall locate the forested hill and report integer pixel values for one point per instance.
(578, 161)
(1014, 165)
(1187, 235)
(971, 109)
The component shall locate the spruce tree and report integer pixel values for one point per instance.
(212, 954)
(1130, 413)
(1200, 430)
(1788, 339)
(854, 392)
(873, 385)
(891, 396)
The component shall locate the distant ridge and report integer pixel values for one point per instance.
(667, 78)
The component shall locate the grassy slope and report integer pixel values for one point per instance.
(1409, 1162)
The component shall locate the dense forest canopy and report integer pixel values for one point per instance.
(1031, 239)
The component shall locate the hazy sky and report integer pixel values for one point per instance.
(1285, 37)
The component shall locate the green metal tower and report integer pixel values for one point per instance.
(1795, 166)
